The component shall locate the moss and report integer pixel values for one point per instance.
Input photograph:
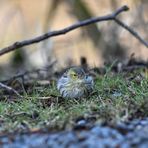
(115, 97)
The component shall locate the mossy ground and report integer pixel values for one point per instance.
(120, 96)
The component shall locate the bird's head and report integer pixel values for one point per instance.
(75, 75)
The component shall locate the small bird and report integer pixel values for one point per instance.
(75, 83)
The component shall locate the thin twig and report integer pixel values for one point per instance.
(8, 88)
(23, 74)
(133, 32)
(47, 35)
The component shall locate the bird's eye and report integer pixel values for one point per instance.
(74, 75)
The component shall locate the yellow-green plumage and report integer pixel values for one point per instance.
(75, 83)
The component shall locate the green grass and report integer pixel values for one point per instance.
(115, 98)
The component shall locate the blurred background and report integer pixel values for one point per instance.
(99, 43)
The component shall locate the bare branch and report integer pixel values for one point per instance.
(47, 35)
(134, 33)
(23, 74)
(8, 88)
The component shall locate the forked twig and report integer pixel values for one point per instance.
(47, 35)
